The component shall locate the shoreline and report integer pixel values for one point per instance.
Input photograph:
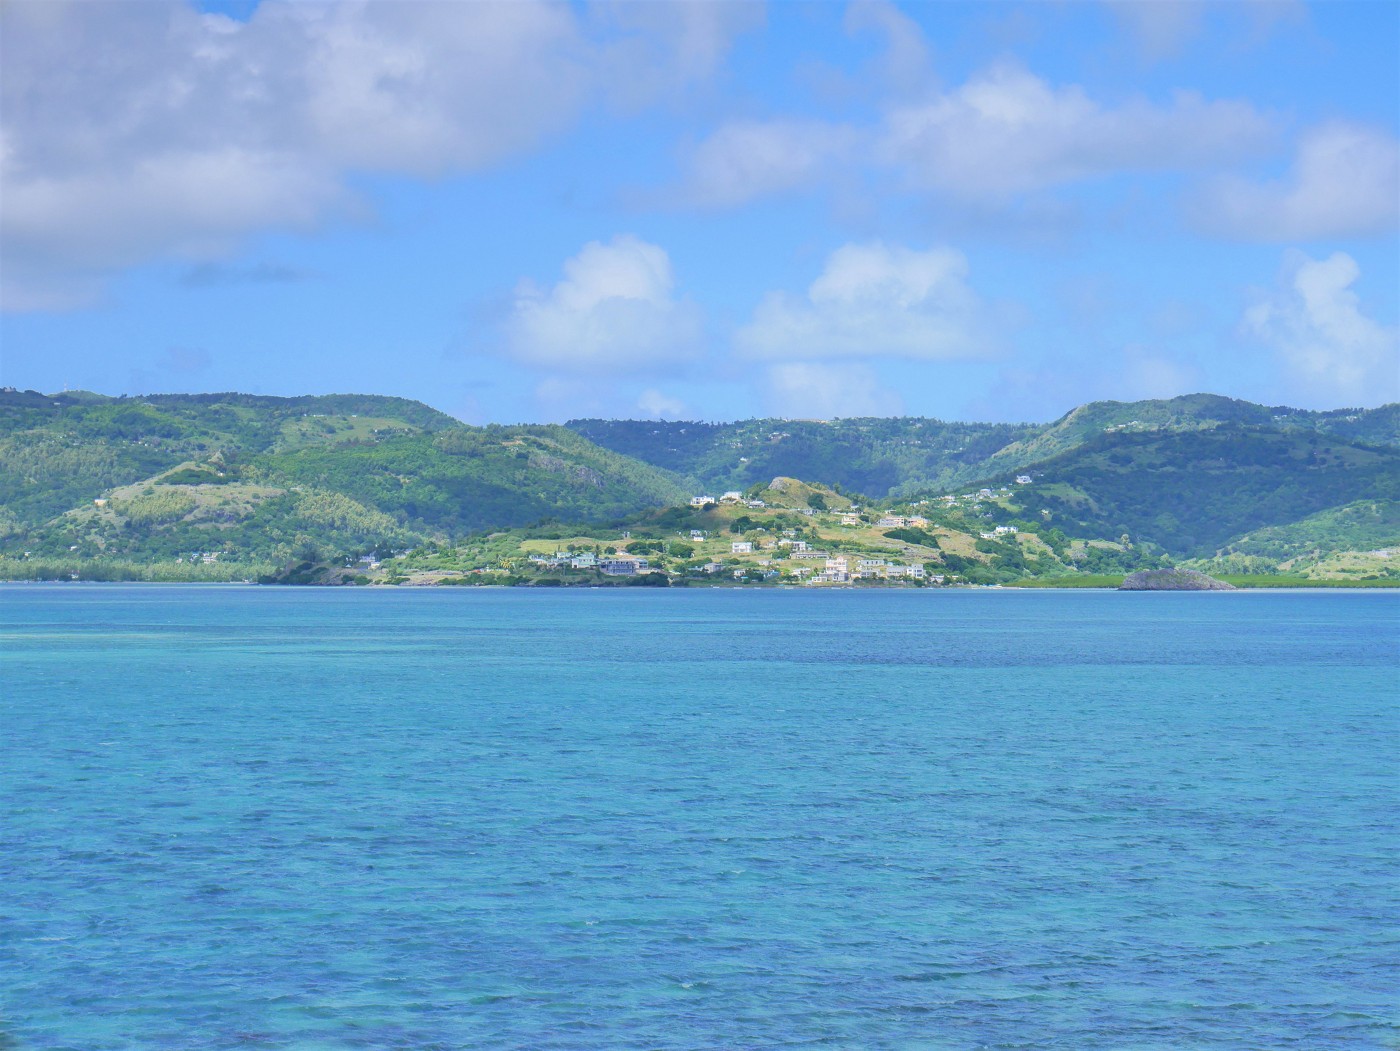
(1028, 586)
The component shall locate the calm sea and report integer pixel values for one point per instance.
(293, 818)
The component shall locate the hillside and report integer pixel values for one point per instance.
(882, 458)
(1191, 492)
(873, 457)
(57, 451)
(255, 479)
(231, 486)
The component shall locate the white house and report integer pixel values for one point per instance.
(1023, 479)
(741, 547)
(732, 497)
(701, 501)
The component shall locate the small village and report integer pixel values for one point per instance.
(787, 533)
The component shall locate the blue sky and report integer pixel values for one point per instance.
(530, 212)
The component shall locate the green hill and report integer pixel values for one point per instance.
(236, 481)
(882, 458)
(57, 451)
(873, 457)
(1191, 492)
(255, 479)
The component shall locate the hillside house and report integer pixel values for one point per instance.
(741, 547)
(623, 566)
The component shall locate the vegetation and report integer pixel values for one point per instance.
(899, 457)
(348, 489)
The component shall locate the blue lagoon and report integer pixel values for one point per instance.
(478, 818)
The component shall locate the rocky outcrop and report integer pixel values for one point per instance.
(1172, 580)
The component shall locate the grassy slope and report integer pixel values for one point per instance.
(894, 457)
(873, 457)
(1193, 491)
(256, 477)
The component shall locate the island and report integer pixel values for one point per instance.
(1172, 580)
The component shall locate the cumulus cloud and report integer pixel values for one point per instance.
(826, 391)
(615, 308)
(151, 130)
(1330, 349)
(1003, 133)
(1006, 131)
(875, 300)
(1345, 181)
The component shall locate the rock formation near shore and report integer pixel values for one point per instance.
(1172, 580)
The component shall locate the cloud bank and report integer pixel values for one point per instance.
(152, 130)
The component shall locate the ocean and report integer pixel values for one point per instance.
(240, 817)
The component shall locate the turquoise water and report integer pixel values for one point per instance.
(295, 818)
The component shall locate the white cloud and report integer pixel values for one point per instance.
(1161, 27)
(1331, 350)
(1006, 132)
(745, 160)
(875, 300)
(655, 403)
(905, 64)
(1345, 182)
(823, 391)
(1003, 133)
(614, 308)
(150, 130)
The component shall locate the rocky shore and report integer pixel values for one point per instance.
(1172, 580)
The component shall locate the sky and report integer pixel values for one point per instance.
(531, 212)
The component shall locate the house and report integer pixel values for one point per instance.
(839, 563)
(623, 566)
(697, 534)
(1023, 479)
(937, 578)
(754, 503)
(1004, 530)
(807, 552)
(584, 560)
(741, 547)
(795, 545)
(99, 503)
(732, 497)
(870, 563)
(915, 572)
(916, 520)
(711, 568)
(848, 519)
(701, 501)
